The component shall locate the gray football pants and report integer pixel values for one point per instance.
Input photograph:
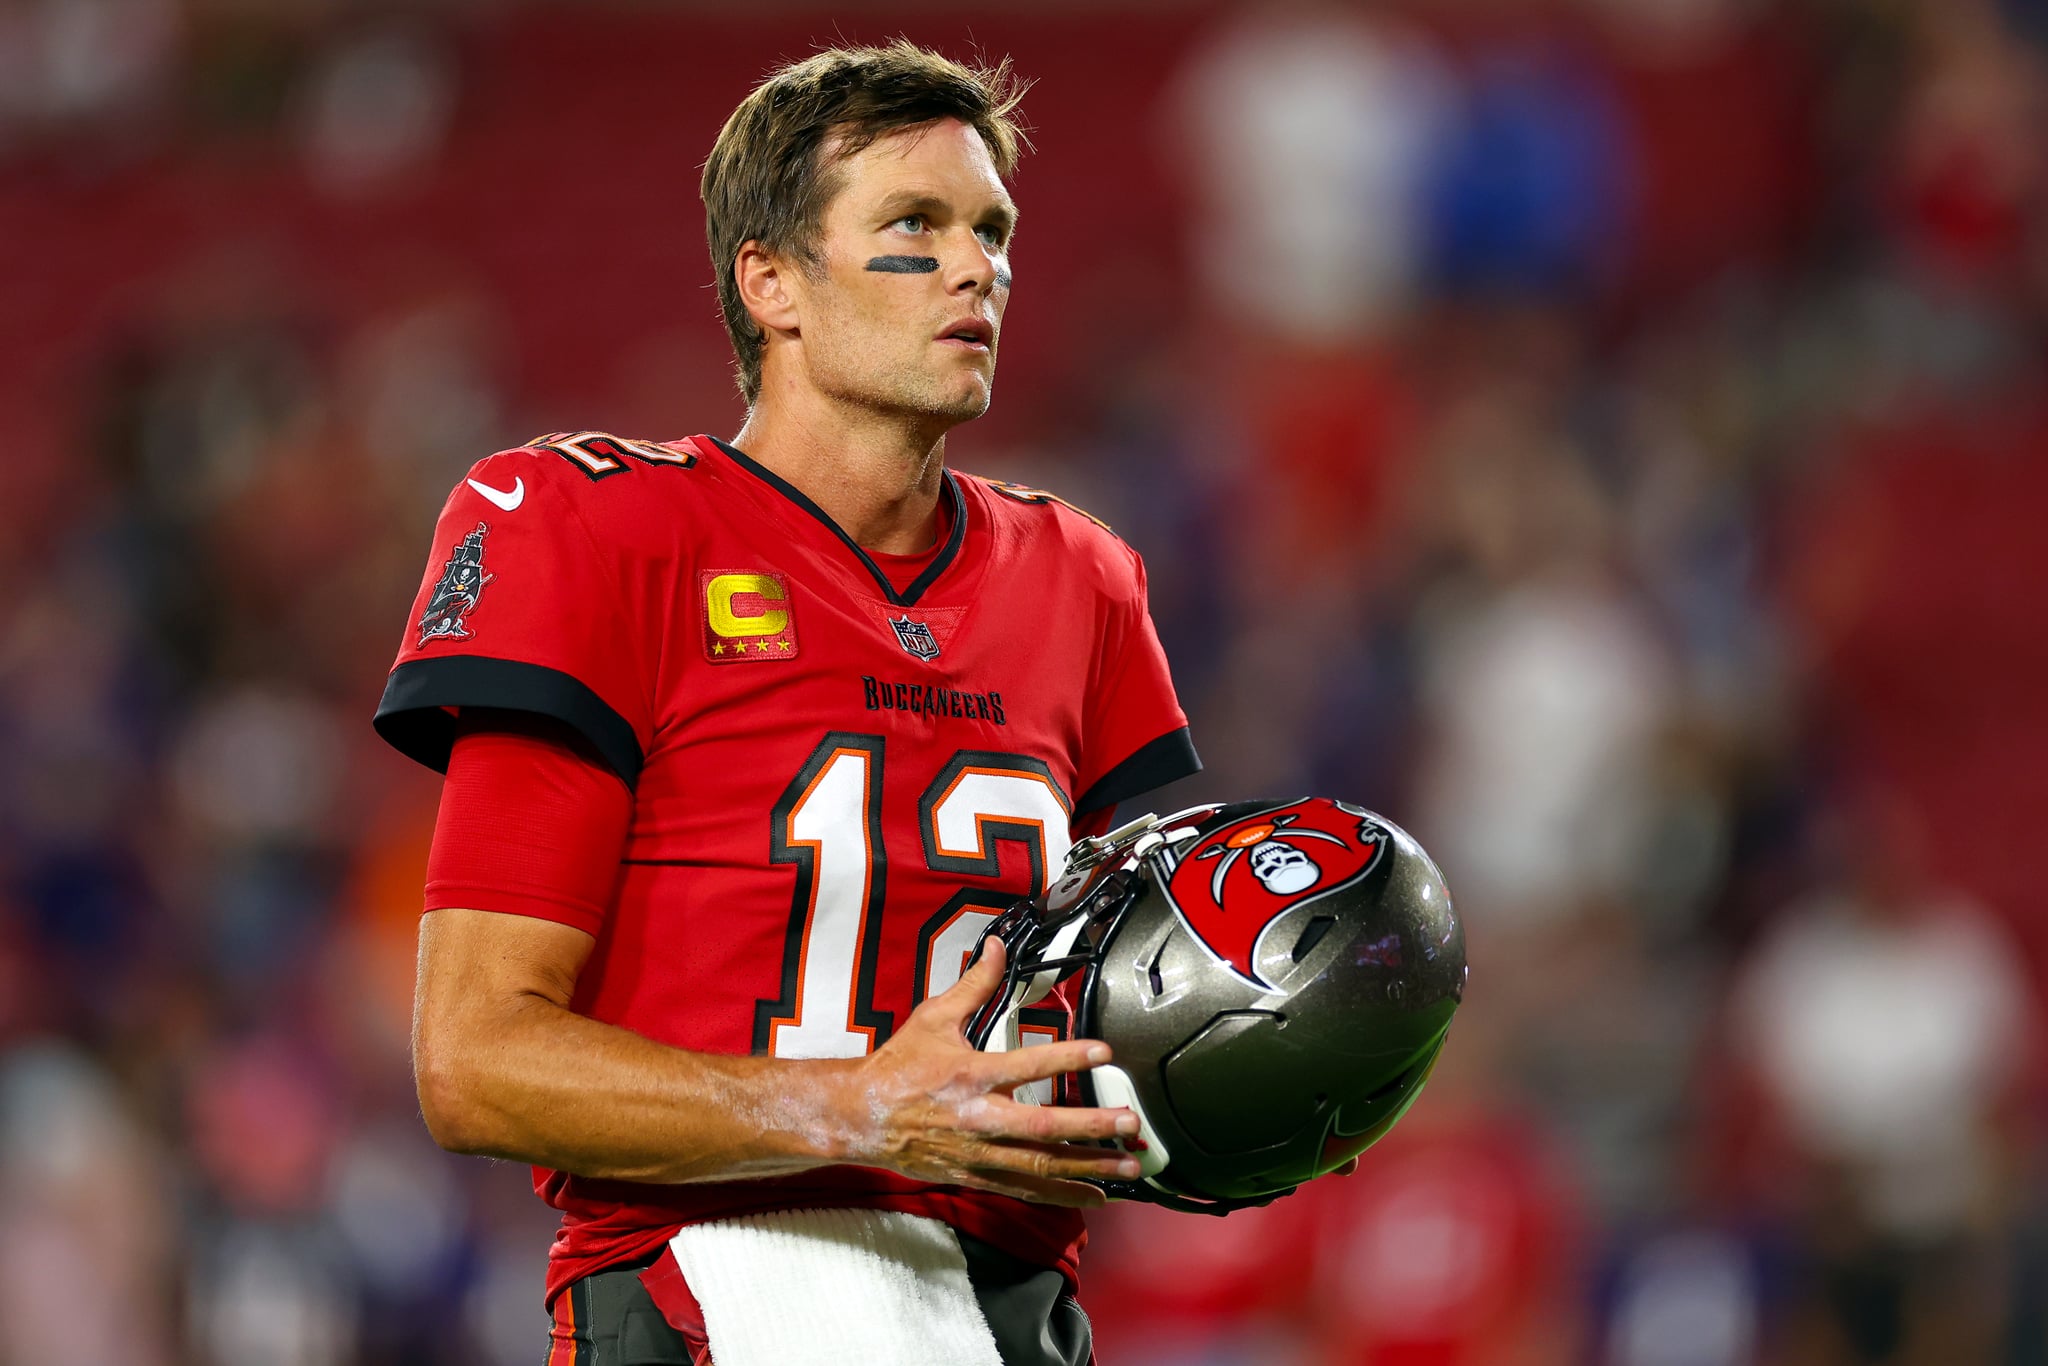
(1034, 1320)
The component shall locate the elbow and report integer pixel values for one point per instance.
(450, 1103)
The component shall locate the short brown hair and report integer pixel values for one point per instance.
(767, 178)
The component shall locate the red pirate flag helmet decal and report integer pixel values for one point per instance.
(1233, 882)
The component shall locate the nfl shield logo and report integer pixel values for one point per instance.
(915, 637)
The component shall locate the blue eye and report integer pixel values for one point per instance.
(990, 235)
(915, 220)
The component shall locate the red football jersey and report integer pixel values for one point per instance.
(836, 783)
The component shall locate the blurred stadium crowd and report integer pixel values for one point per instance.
(1609, 436)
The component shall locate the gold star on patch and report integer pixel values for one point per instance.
(739, 647)
(718, 647)
(783, 643)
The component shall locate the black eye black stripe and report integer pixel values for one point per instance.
(904, 265)
(924, 265)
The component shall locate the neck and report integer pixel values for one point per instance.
(875, 474)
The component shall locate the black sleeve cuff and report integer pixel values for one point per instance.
(412, 716)
(1167, 759)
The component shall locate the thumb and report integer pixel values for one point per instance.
(959, 1001)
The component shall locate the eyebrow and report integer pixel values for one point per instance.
(1002, 213)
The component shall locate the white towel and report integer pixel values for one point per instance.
(824, 1287)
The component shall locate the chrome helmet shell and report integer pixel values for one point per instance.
(1276, 980)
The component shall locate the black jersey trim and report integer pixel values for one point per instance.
(909, 596)
(1156, 763)
(414, 719)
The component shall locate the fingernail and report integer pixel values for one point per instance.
(1127, 1167)
(1098, 1054)
(1127, 1124)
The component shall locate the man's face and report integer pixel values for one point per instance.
(879, 325)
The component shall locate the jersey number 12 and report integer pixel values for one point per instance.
(829, 824)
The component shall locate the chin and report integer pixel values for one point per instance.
(955, 403)
(969, 408)
(975, 395)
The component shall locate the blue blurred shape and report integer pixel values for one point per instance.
(1529, 191)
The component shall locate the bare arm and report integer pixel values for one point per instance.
(506, 1069)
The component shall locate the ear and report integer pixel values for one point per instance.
(769, 287)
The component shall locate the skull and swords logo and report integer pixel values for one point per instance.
(1288, 854)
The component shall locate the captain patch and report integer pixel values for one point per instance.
(747, 616)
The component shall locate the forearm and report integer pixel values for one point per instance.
(547, 1086)
(506, 1069)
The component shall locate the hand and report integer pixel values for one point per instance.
(930, 1105)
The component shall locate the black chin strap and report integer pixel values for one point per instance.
(1185, 1204)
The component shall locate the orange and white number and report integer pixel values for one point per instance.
(828, 824)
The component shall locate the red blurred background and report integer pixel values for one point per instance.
(1606, 435)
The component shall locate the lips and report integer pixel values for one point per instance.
(970, 332)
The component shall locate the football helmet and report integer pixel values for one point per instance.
(1275, 978)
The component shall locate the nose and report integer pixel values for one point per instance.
(975, 268)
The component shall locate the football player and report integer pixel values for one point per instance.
(747, 741)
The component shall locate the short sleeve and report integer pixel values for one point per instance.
(531, 823)
(521, 610)
(1135, 735)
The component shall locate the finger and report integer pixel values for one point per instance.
(1052, 1161)
(1043, 1060)
(1001, 1118)
(976, 985)
(1349, 1166)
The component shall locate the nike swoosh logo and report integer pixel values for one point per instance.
(504, 499)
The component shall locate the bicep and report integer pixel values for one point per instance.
(522, 870)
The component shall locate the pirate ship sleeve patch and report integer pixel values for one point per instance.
(457, 592)
(525, 607)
